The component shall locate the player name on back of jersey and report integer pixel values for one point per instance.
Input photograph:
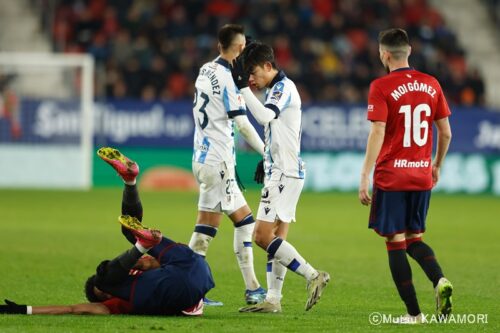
(210, 74)
(404, 163)
(413, 86)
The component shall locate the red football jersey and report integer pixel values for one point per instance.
(408, 102)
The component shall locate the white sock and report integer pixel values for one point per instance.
(132, 182)
(141, 248)
(275, 278)
(242, 244)
(199, 243)
(289, 257)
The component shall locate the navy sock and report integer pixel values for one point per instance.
(424, 255)
(131, 203)
(132, 206)
(401, 274)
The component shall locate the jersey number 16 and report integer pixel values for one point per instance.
(419, 138)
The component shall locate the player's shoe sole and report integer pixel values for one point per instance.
(255, 296)
(126, 168)
(444, 290)
(131, 223)
(145, 236)
(315, 289)
(264, 307)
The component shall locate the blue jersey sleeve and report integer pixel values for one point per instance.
(232, 100)
(278, 98)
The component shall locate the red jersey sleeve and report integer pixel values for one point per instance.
(377, 105)
(118, 306)
(443, 109)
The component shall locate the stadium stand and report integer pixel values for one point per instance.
(152, 49)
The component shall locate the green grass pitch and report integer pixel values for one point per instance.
(52, 240)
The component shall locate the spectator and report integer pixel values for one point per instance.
(155, 48)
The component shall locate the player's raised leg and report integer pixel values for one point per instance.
(424, 255)
(128, 170)
(244, 224)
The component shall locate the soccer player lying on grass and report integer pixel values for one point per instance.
(172, 280)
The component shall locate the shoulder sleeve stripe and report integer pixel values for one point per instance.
(225, 99)
(274, 108)
(234, 113)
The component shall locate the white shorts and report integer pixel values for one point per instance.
(219, 192)
(279, 198)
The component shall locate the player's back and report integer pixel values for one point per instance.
(408, 101)
(181, 281)
(216, 101)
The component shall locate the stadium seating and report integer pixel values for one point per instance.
(153, 49)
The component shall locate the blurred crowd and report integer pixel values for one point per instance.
(152, 49)
(493, 7)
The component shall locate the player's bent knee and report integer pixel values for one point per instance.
(395, 238)
(263, 234)
(209, 218)
(240, 214)
(412, 235)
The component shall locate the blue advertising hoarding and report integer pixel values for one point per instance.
(325, 128)
(333, 138)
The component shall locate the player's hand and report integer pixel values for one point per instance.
(240, 77)
(259, 173)
(435, 174)
(146, 263)
(13, 308)
(364, 192)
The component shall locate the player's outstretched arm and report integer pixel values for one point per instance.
(86, 308)
(373, 146)
(443, 142)
(249, 133)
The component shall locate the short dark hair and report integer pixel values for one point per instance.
(393, 38)
(227, 34)
(89, 289)
(257, 54)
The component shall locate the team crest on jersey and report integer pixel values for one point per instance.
(277, 91)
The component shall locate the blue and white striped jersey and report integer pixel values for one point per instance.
(283, 133)
(216, 101)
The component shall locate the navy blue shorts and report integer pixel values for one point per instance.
(396, 212)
